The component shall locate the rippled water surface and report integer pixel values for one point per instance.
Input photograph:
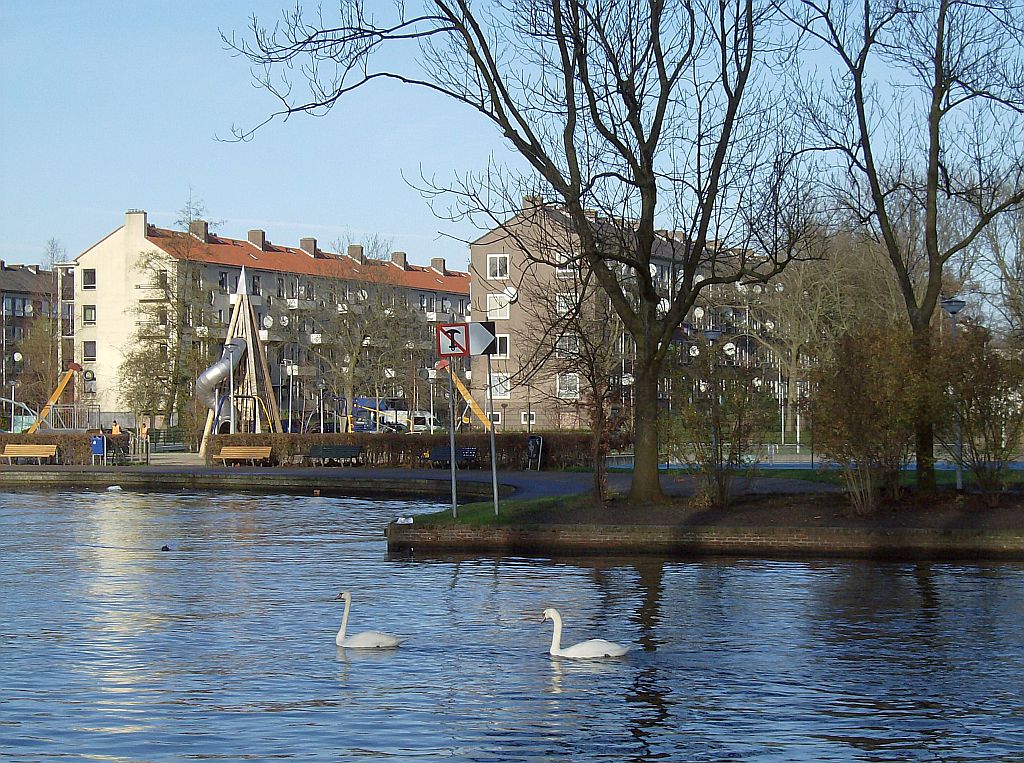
(223, 646)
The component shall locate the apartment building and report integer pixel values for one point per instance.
(129, 276)
(26, 293)
(527, 275)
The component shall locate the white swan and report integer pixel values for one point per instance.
(595, 647)
(366, 639)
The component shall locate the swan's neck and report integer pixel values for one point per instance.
(344, 620)
(556, 636)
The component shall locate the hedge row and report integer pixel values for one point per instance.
(72, 447)
(562, 450)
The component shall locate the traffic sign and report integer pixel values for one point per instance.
(452, 340)
(482, 339)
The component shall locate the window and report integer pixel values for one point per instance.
(497, 306)
(565, 303)
(501, 386)
(567, 346)
(89, 278)
(88, 313)
(497, 266)
(528, 417)
(568, 386)
(423, 302)
(496, 417)
(501, 347)
(255, 290)
(222, 281)
(310, 293)
(88, 350)
(280, 288)
(563, 265)
(161, 279)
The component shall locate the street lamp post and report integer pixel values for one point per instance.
(320, 386)
(952, 306)
(16, 357)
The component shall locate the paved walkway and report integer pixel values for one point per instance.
(176, 470)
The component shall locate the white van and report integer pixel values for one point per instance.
(419, 421)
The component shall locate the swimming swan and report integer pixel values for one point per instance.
(366, 639)
(595, 647)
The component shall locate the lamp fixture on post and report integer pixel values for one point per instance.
(952, 306)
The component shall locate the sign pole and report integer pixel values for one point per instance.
(494, 458)
(451, 438)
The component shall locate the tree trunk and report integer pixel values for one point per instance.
(924, 431)
(646, 487)
(599, 445)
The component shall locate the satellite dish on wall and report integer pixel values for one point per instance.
(268, 321)
(698, 313)
(284, 320)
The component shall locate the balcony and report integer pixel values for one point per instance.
(300, 304)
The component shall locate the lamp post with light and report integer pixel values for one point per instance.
(952, 306)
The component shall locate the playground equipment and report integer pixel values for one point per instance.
(473, 405)
(68, 375)
(250, 400)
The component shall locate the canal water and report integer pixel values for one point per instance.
(222, 647)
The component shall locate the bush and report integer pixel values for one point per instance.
(982, 407)
(864, 407)
(562, 450)
(72, 447)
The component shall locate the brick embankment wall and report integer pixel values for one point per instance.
(820, 542)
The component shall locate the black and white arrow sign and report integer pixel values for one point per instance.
(482, 339)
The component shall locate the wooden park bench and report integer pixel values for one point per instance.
(442, 456)
(14, 450)
(250, 453)
(342, 454)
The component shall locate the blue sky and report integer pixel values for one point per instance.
(107, 106)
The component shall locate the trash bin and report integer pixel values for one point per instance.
(98, 447)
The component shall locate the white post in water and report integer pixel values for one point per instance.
(494, 458)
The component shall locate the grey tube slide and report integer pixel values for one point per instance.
(208, 381)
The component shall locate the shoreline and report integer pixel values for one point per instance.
(781, 519)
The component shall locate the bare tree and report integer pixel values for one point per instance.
(922, 105)
(625, 113)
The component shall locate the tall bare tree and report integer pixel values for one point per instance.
(626, 114)
(922, 106)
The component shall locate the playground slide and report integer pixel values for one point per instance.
(210, 379)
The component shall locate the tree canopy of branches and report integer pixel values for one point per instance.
(629, 116)
(922, 107)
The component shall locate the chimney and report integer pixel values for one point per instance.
(355, 251)
(258, 238)
(437, 263)
(399, 259)
(200, 229)
(34, 269)
(308, 245)
(135, 223)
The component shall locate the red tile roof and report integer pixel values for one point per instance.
(218, 250)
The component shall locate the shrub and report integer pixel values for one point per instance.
(562, 450)
(72, 447)
(716, 428)
(864, 406)
(982, 407)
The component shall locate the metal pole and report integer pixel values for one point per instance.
(321, 410)
(959, 433)
(430, 385)
(451, 438)
(494, 457)
(231, 393)
(291, 395)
